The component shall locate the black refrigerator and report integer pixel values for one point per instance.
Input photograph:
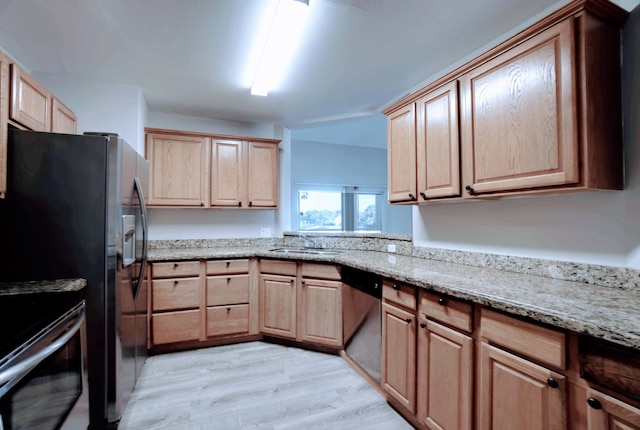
(75, 208)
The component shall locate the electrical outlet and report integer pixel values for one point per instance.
(391, 248)
(265, 232)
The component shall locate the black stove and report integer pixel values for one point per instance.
(23, 316)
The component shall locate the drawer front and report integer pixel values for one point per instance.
(531, 340)
(276, 267)
(320, 271)
(225, 267)
(449, 311)
(401, 294)
(175, 269)
(227, 290)
(173, 327)
(227, 320)
(174, 294)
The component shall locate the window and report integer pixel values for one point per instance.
(334, 208)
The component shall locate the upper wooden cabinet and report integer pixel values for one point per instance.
(63, 120)
(539, 113)
(30, 101)
(200, 170)
(28, 105)
(244, 173)
(178, 170)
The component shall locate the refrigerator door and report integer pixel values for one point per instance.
(141, 294)
(121, 341)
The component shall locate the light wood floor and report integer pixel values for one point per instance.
(255, 385)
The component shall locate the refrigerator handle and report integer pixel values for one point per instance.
(145, 235)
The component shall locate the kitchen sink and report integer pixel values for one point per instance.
(315, 251)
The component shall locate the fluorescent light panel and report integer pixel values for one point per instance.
(283, 38)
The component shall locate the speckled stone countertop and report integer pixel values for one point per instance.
(39, 287)
(607, 313)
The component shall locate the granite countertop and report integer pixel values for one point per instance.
(607, 313)
(39, 287)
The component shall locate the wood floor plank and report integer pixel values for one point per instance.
(255, 385)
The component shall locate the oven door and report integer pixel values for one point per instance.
(41, 381)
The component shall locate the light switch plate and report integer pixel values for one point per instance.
(391, 248)
(265, 232)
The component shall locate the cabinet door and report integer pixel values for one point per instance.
(607, 413)
(401, 129)
(399, 355)
(278, 305)
(63, 120)
(178, 170)
(4, 118)
(321, 312)
(517, 394)
(227, 173)
(445, 377)
(438, 144)
(518, 116)
(262, 175)
(30, 101)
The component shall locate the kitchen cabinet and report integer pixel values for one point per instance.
(175, 302)
(302, 302)
(178, 170)
(608, 413)
(63, 120)
(445, 363)
(278, 298)
(539, 113)
(228, 298)
(402, 155)
(190, 169)
(321, 305)
(399, 343)
(244, 174)
(517, 387)
(30, 101)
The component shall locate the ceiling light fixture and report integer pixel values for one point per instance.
(286, 29)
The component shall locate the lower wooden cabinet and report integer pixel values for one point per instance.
(515, 393)
(399, 355)
(321, 312)
(278, 305)
(607, 413)
(200, 300)
(445, 377)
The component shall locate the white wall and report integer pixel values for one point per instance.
(208, 125)
(594, 227)
(101, 106)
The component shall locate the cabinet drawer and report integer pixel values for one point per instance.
(404, 295)
(175, 326)
(174, 294)
(226, 320)
(227, 290)
(447, 310)
(531, 340)
(174, 269)
(224, 267)
(278, 267)
(320, 271)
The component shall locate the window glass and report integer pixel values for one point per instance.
(320, 210)
(337, 208)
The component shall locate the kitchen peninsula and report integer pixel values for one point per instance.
(561, 326)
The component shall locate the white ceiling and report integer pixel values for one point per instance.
(188, 55)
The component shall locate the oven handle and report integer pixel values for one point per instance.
(25, 366)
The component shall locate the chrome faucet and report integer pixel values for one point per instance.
(314, 243)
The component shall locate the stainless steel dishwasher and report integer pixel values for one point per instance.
(362, 319)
